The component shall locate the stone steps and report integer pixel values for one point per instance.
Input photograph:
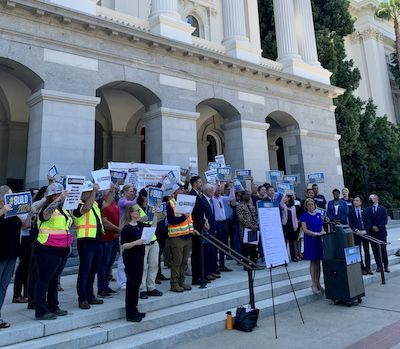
(191, 313)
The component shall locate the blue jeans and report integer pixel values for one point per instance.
(104, 263)
(6, 272)
(89, 251)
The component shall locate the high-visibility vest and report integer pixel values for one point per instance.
(86, 225)
(55, 231)
(184, 228)
(143, 214)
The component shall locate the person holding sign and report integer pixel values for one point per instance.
(311, 223)
(53, 245)
(180, 230)
(89, 230)
(9, 242)
(133, 247)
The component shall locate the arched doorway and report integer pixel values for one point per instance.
(120, 113)
(17, 83)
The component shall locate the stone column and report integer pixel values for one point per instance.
(235, 36)
(306, 32)
(285, 31)
(166, 21)
(61, 133)
(171, 136)
(246, 147)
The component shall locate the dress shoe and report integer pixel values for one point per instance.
(378, 270)
(134, 318)
(110, 290)
(143, 295)
(162, 277)
(217, 272)
(103, 294)
(84, 305)
(47, 316)
(210, 278)
(60, 312)
(217, 276)
(96, 301)
(225, 269)
(186, 287)
(369, 272)
(364, 272)
(177, 289)
(154, 293)
(397, 253)
(387, 270)
(20, 300)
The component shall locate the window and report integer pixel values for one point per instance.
(194, 23)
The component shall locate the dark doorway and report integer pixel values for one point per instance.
(280, 155)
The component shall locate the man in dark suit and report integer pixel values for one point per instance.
(357, 223)
(198, 223)
(204, 220)
(376, 220)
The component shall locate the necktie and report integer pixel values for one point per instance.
(374, 210)
(212, 206)
(360, 222)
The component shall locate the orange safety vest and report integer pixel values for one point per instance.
(184, 228)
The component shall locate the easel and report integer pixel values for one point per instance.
(272, 294)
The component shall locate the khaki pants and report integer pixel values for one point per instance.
(180, 250)
(150, 268)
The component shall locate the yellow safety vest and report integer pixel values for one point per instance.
(184, 228)
(55, 231)
(143, 214)
(86, 225)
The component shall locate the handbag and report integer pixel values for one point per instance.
(245, 320)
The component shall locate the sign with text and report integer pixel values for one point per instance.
(102, 178)
(224, 174)
(220, 160)
(148, 233)
(275, 176)
(153, 195)
(185, 203)
(20, 203)
(243, 175)
(314, 178)
(73, 186)
(118, 177)
(286, 188)
(273, 241)
(211, 176)
(294, 179)
(151, 210)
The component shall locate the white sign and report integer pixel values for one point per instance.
(211, 176)
(220, 159)
(148, 233)
(272, 239)
(185, 203)
(73, 186)
(102, 178)
(193, 162)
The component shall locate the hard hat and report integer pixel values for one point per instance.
(54, 188)
(87, 186)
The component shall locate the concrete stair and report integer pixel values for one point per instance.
(170, 319)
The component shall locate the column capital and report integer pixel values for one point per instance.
(63, 97)
(247, 124)
(312, 134)
(172, 113)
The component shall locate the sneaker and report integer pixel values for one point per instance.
(103, 294)
(154, 293)
(60, 312)
(96, 301)
(177, 289)
(186, 287)
(110, 290)
(143, 295)
(84, 305)
(47, 316)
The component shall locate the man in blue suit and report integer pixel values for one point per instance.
(357, 223)
(337, 211)
(376, 220)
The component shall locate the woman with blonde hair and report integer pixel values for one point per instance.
(311, 223)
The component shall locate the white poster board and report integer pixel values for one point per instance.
(185, 203)
(73, 186)
(148, 233)
(211, 176)
(273, 241)
(102, 178)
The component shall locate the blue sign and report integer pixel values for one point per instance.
(314, 178)
(352, 255)
(286, 188)
(118, 177)
(242, 175)
(153, 195)
(224, 173)
(20, 203)
(275, 176)
(295, 179)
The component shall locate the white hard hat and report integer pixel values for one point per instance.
(54, 188)
(87, 186)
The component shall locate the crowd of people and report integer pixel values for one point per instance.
(110, 223)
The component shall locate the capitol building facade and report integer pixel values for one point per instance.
(86, 82)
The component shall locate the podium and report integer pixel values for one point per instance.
(342, 267)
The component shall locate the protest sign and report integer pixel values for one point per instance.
(275, 176)
(314, 178)
(211, 176)
(151, 210)
(273, 241)
(194, 165)
(153, 195)
(131, 176)
(73, 186)
(102, 178)
(172, 178)
(53, 173)
(243, 175)
(220, 160)
(118, 177)
(20, 203)
(224, 174)
(213, 166)
(294, 179)
(238, 186)
(286, 188)
(147, 234)
(185, 203)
